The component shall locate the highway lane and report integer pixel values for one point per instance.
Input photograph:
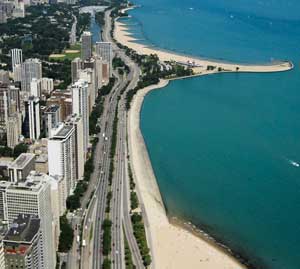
(122, 151)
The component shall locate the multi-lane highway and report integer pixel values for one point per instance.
(91, 257)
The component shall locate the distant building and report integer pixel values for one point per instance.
(76, 66)
(22, 243)
(80, 100)
(32, 122)
(63, 98)
(17, 73)
(31, 68)
(34, 197)
(3, 201)
(104, 50)
(4, 163)
(4, 76)
(51, 118)
(4, 105)
(77, 122)
(14, 129)
(16, 57)
(62, 155)
(86, 45)
(36, 88)
(21, 167)
(47, 85)
(88, 75)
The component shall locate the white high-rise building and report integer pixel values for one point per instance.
(47, 85)
(104, 50)
(17, 73)
(36, 87)
(86, 45)
(31, 68)
(13, 129)
(76, 66)
(80, 107)
(32, 122)
(58, 199)
(16, 62)
(52, 118)
(16, 57)
(62, 155)
(88, 75)
(77, 122)
(34, 197)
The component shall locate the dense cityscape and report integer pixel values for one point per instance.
(67, 188)
(77, 189)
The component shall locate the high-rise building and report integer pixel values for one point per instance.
(76, 66)
(36, 87)
(14, 99)
(62, 155)
(4, 104)
(98, 72)
(88, 75)
(51, 118)
(34, 197)
(47, 85)
(58, 199)
(17, 73)
(104, 50)
(80, 107)
(21, 167)
(13, 129)
(4, 76)
(3, 201)
(16, 57)
(22, 243)
(86, 45)
(32, 122)
(77, 122)
(31, 68)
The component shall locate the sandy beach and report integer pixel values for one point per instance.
(122, 35)
(172, 246)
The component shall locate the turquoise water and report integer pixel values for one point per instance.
(223, 146)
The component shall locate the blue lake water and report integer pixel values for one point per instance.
(224, 148)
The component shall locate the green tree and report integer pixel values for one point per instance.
(19, 149)
(66, 235)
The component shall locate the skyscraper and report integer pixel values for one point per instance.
(77, 122)
(32, 123)
(86, 45)
(31, 68)
(88, 75)
(80, 107)
(13, 129)
(34, 197)
(36, 87)
(76, 66)
(16, 57)
(16, 62)
(104, 50)
(51, 118)
(62, 155)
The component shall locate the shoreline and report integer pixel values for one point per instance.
(123, 36)
(173, 245)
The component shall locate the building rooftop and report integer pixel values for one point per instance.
(22, 161)
(63, 132)
(23, 229)
(52, 109)
(34, 183)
